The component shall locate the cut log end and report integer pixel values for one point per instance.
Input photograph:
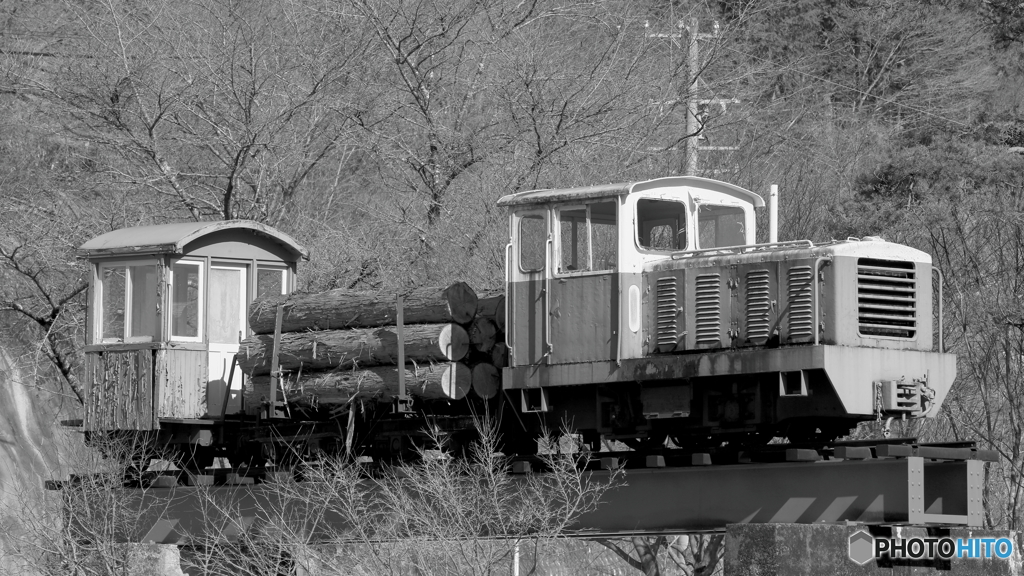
(486, 380)
(482, 334)
(462, 302)
(454, 342)
(499, 314)
(499, 355)
(457, 381)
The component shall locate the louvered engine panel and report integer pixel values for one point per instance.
(886, 298)
(801, 321)
(758, 306)
(708, 309)
(667, 313)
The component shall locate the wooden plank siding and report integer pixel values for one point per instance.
(119, 390)
(182, 378)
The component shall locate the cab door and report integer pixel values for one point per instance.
(528, 263)
(584, 306)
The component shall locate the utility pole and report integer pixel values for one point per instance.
(692, 62)
(691, 145)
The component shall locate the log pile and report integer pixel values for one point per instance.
(339, 346)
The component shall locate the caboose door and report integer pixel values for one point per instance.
(227, 325)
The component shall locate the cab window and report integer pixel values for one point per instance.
(587, 238)
(661, 225)
(533, 236)
(720, 226)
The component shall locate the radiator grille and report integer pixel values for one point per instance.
(668, 312)
(758, 306)
(886, 298)
(801, 321)
(708, 309)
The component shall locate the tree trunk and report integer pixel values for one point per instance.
(362, 347)
(426, 382)
(337, 309)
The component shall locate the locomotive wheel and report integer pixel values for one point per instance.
(652, 442)
(518, 444)
(701, 443)
(815, 432)
(460, 444)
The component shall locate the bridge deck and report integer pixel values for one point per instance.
(906, 490)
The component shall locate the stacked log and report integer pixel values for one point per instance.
(330, 349)
(339, 346)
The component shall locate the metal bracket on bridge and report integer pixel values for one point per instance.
(911, 490)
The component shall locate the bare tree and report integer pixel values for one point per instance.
(438, 515)
(690, 554)
(217, 109)
(81, 526)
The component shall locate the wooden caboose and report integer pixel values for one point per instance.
(167, 310)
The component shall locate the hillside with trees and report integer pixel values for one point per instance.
(380, 133)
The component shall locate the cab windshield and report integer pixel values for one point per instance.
(661, 225)
(720, 226)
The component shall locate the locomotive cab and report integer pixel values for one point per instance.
(644, 310)
(167, 310)
(577, 258)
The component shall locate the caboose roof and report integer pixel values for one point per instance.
(610, 190)
(172, 238)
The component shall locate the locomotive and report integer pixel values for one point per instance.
(640, 312)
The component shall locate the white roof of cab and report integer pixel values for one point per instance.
(172, 238)
(611, 190)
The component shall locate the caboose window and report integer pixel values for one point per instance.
(661, 225)
(128, 295)
(186, 301)
(271, 281)
(720, 226)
